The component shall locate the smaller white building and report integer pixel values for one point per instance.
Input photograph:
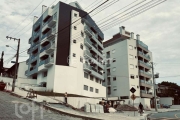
(167, 100)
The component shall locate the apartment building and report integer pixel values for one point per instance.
(128, 65)
(66, 51)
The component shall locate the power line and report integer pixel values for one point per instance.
(26, 17)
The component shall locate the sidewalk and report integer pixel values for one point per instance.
(69, 111)
(163, 110)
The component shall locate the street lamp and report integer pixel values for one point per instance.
(11, 47)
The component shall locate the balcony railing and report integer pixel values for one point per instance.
(147, 82)
(147, 64)
(108, 65)
(100, 73)
(45, 48)
(87, 30)
(32, 68)
(43, 62)
(94, 69)
(142, 44)
(108, 83)
(27, 61)
(26, 72)
(108, 73)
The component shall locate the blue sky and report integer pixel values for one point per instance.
(158, 28)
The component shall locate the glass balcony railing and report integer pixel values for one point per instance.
(100, 73)
(45, 48)
(94, 69)
(142, 44)
(147, 64)
(32, 68)
(146, 82)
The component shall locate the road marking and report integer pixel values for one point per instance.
(176, 115)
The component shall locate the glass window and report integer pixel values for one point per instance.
(74, 41)
(130, 47)
(82, 34)
(81, 59)
(75, 28)
(114, 60)
(131, 66)
(132, 76)
(45, 74)
(114, 69)
(97, 90)
(91, 89)
(75, 15)
(74, 55)
(97, 80)
(114, 78)
(131, 56)
(85, 87)
(86, 75)
(81, 46)
(91, 77)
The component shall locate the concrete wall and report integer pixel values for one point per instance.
(166, 100)
(21, 69)
(79, 102)
(71, 80)
(175, 107)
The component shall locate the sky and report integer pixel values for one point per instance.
(158, 28)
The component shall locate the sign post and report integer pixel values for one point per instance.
(133, 97)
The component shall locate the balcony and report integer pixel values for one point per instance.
(146, 83)
(88, 43)
(87, 54)
(27, 61)
(145, 94)
(95, 73)
(49, 35)
(145, 56)
(143, 64)
(33, 57)
(87, 67)
(141, 45)
(30, 40)
(145, 74)
(51, 21)
(50, 48)
(49, 62)
(96, 40)
(47, 14)
(88, 31)
(42, 66)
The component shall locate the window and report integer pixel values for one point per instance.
(55, 15)
(135, 56)
(86, 75)
(85, 87)
(136, 76)
(114, 69)
(75, 28)
(136, 66)
(81, 46)
(131, 66)
(114, 60)
(113, 51)
(114, 78)
(91, 89)
(97, 90)
(130, 47)
(131, 56)
(81, 59)
(45, 74)
(97, 80)
(134, 47)
(82, 34)
(91, 77)
(75, 15)
(137, 86)
(74, 41)
(132, 76)
(115, 89)
(74, 55)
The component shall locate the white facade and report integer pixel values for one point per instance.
(128, 65)
(73, 78)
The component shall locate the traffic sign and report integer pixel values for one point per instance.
(133, 90)
(133, 97)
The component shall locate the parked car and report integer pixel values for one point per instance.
(166, 106)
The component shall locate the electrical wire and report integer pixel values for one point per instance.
(25, 18)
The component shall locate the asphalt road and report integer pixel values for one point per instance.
(174, 115)
(14, 108)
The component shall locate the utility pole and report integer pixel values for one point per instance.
(155, 102)
(16, 64)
